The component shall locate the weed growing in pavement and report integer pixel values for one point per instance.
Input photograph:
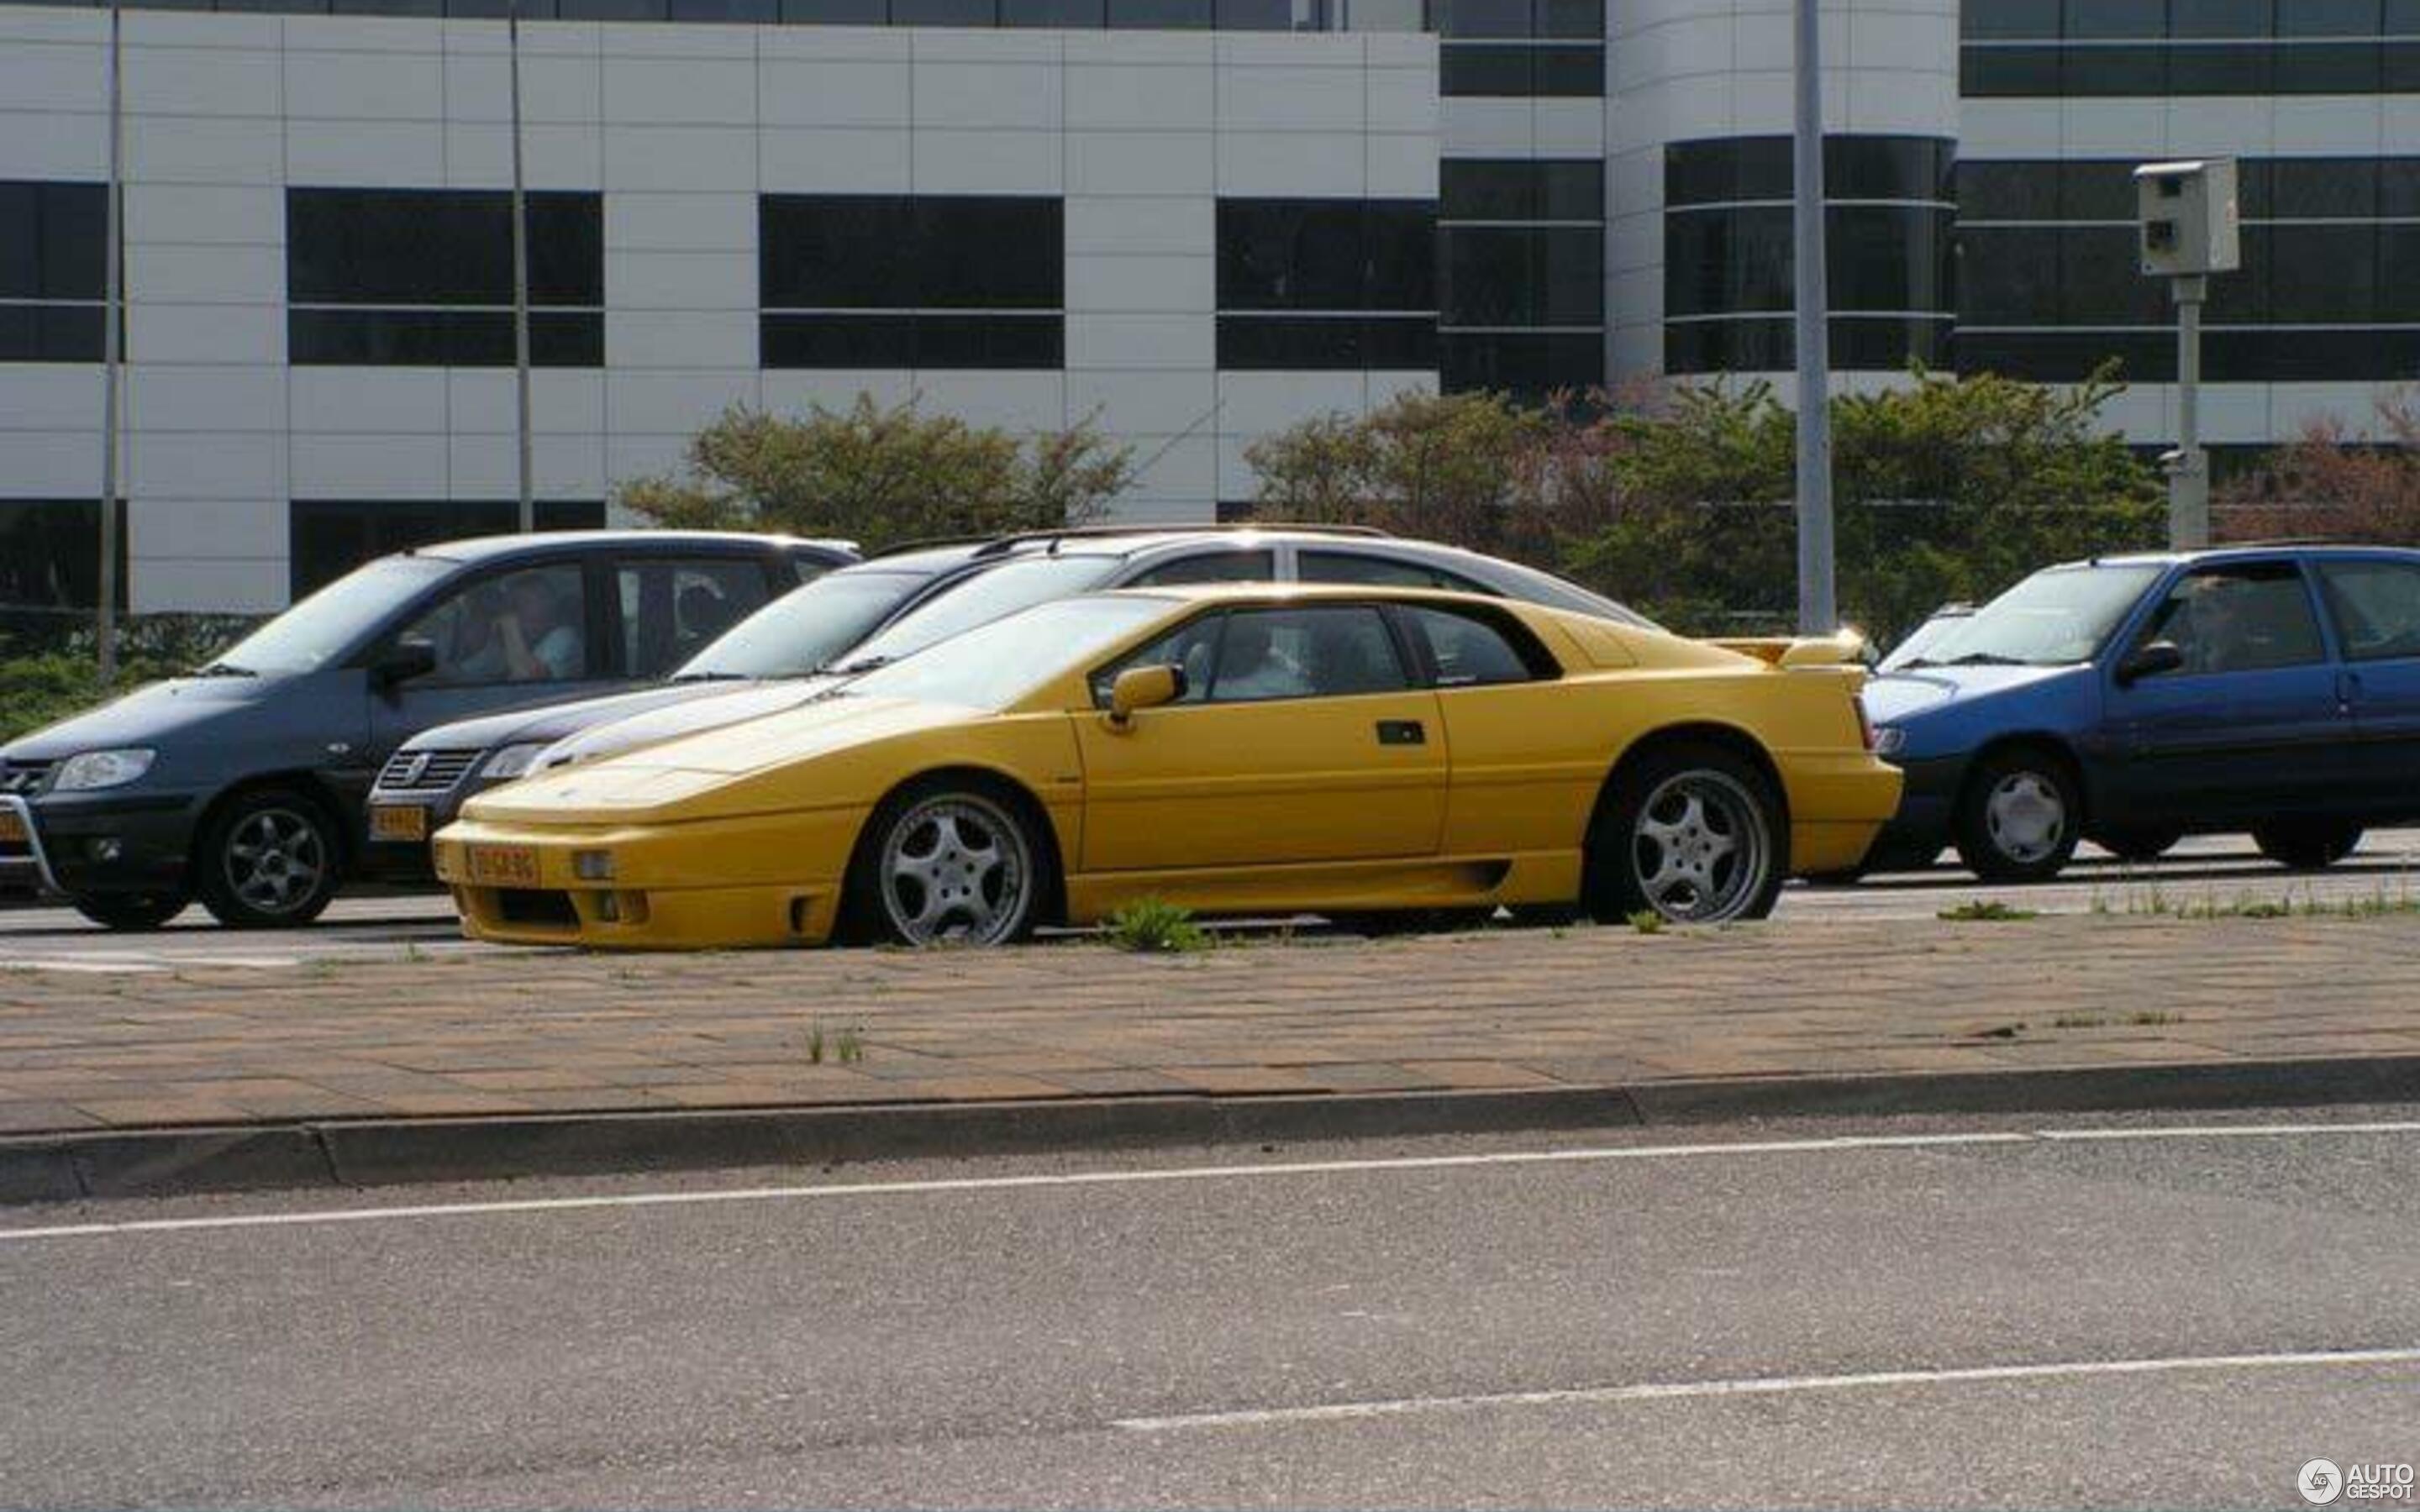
(1982, 912)
(848, 1049)
(2153, 1019)
(1150, 927)
(2078, 1021)
(815, 1045)
(1647, 921)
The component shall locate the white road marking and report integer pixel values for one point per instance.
(1830, 1145)
(1762, 1386)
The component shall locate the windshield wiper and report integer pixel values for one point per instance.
(861, 664)
(224, 669)
(712, 677)
(1982, 659)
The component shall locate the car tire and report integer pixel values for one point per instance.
(2020, 817)
(1691, 832)
(270, 860)
(2308, 844)
(2139, 843)
(131, 912)
(949, 863)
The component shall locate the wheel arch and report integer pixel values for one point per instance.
(310, 784)
(1051, 907)
(2055, 747)
(1727, 737)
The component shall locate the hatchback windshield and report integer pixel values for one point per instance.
(983, 598)
(994, 665)
(801, 632)
(2055, 618)
(323, 625)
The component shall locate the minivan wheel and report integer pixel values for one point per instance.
(130, 911)
(270, 860)
(2308, 844)
(1692, 833)
(2020, 818)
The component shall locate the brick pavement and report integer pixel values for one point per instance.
(501, 1032)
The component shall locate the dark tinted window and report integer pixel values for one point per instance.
(2376, 606)
(672, 608)
(328, 538)
(1208, 567)
(1380, 572)
(1529, 364)
(1513, 188)
(1275, 343)
(416, 246)
(50, 556)
(1326, 255)
(52, 240)
(2238, 619)
(1326, 652)
(1465, 651)
(893, 252)
(1509, 70)
(1523, 276)
(1727, 170)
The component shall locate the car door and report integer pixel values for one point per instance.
(1523, 772)
(2251, 724)
(1301, 739)
(508, 636)
(2374, 604)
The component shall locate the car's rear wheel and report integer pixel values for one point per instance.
(2308, 844)
(2021, 817)
(1692, 833)
(271, 860)
(130, 911)
(2139, 843)
(953, 864)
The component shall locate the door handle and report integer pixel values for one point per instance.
(1402, 733)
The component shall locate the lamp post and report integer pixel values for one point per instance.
(2187, 217)
(112, 360)
(1817, 613)
(527, 518)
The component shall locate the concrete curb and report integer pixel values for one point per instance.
(375, 1152)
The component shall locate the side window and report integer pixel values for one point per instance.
(672, 608)
(2240, 620)
(1466, 651)
(2377, 608)
(1209, 567)
(1383, 572)
(1322, 651)
(1192, 646)
(528, 627)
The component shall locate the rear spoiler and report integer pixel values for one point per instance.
(1843, 648)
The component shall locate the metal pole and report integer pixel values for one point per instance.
(112, 362)
(528, 516)
(2188, 469)
(1817, 613)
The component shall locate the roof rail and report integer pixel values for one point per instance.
(927, 543)
(999, 544)
(2274, 542)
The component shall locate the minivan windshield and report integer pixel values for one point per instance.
(1016, 584)
(306, 637)
(2058, 617)
(799, 633)
(994, 665)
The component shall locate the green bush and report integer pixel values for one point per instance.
(50, 670)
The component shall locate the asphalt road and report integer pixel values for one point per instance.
(2222, 870)
(2113, 1313)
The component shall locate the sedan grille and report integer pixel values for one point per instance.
(426, 771)
(24, 777)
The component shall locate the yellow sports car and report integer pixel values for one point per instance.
(1239, 748)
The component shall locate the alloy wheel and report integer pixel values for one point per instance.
(276, 860)
(956, 869)
(1700, 847)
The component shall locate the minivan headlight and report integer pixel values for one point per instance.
(512, 761)
(102, 769)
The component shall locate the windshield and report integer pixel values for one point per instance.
(994, 665)
(304, 638)
(2055, 618)
(803, 630)
(983, 598)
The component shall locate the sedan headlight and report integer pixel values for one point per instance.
(512, 761)
(102, 769)
(1888, 739)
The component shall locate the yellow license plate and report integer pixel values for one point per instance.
(12, 828)
(400, 822)
(504, 866)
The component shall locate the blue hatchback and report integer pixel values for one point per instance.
(2135, 700)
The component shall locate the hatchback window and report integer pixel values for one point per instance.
(2238, 619)
(527, 627)
(2377, 608)
(1382, 572)
(1467, 653)
(1324, 652)
(1209, 567)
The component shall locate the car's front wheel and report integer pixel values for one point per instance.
(952, 865)
(2308, 844)
(2020, 818)
(271, 860)
(130, 911)
(1692, 833)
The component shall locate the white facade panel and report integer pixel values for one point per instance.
(176, 582)
(1138, 224)
(832, 161)
(1140, 341)
(50, 76)
(991, 96)
(388, 85)
(165, 273)
(167, 464)
(211, 401)
(677, 91)
(350, 400)
(197, 149)
(831, 92)
(369, 466)
(204, 334)
(672, 402)
(985, 162)
(1131, 97)
(701, 158)
(39, 397)
(201, 81)
(1142, 162)
(367, 154)
(680, 280)
(1142, 285)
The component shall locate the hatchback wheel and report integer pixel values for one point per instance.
(2308, 844)
(952, 865)
(2020, 818)
(1694, 834)
(130, 911)
(270, 860)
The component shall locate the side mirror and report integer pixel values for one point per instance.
(1143, 687)
(403, 661)
(2149, 661)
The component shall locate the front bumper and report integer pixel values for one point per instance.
(1928, 809)
(765, 880)
(80, 844)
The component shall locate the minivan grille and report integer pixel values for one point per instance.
(426, 771)
(24, 777)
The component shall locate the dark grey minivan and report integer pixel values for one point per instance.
(242, 783)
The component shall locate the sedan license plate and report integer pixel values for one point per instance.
(12, 828)
(400, 821)
(505, 865)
